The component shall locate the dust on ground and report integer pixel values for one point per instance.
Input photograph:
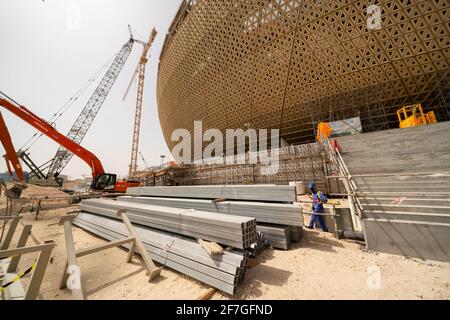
(319, 267)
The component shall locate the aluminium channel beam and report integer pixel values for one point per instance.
(238, 232)
(271, 213)
(278, 237)
(266, 193)
(181, 254)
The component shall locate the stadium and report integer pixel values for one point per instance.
(290, 64)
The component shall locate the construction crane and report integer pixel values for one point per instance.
(101, 181)
(86, 117)
(12, 161)
(140, 73)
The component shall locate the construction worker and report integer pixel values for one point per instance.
(319, 199)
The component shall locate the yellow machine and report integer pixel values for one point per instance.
(413, 116)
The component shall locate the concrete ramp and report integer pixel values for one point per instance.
(403, 177)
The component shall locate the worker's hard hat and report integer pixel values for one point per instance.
(312, 186)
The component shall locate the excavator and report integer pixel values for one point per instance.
(101, 181)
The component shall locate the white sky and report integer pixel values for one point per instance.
(43, 62)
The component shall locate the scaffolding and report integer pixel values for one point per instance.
(304, 163)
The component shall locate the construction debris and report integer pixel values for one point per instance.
(207, 295)
(259, 247)
(212, 248)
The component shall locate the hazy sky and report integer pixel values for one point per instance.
(45, 58)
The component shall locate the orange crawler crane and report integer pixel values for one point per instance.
(101, 181)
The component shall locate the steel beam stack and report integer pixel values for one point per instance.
(296, 233)
(272, 213)
(223, 272)
(270, 193)
(233, 231)
(278, 236)
(268, 204)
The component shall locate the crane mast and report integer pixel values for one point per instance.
(90, 111)
(140, 71)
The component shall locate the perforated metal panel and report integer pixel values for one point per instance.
(289, 64)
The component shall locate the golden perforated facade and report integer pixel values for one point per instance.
(289, 64)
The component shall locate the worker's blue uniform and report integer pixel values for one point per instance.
(319, 199)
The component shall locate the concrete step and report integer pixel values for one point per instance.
(430, 179)
(405, 184)
(425, 143)
(438, 129)
(405, 188)
(393, 155)
(387, 162)
(397, 169)
(407, 216)
(397, 194)
(407, 208)
(409, 238)
(407, 201)
(406, 144)
(406, 141)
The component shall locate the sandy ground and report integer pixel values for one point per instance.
(319, 267)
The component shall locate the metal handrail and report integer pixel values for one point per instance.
(339, 163)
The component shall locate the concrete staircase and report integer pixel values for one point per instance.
(403, 177)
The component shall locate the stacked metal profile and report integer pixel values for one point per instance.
(273, 213)
(277, 236)
(296, 233)
(267, 203)
(223, 272)
(270, 193)
(233, 231)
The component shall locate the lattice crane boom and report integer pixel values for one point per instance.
(140, 94)
(144, 161)
(90, 111)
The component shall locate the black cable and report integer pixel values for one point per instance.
(66, 105)
(9, 98)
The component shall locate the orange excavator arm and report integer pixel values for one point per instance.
(44, 127)
(11, 155)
